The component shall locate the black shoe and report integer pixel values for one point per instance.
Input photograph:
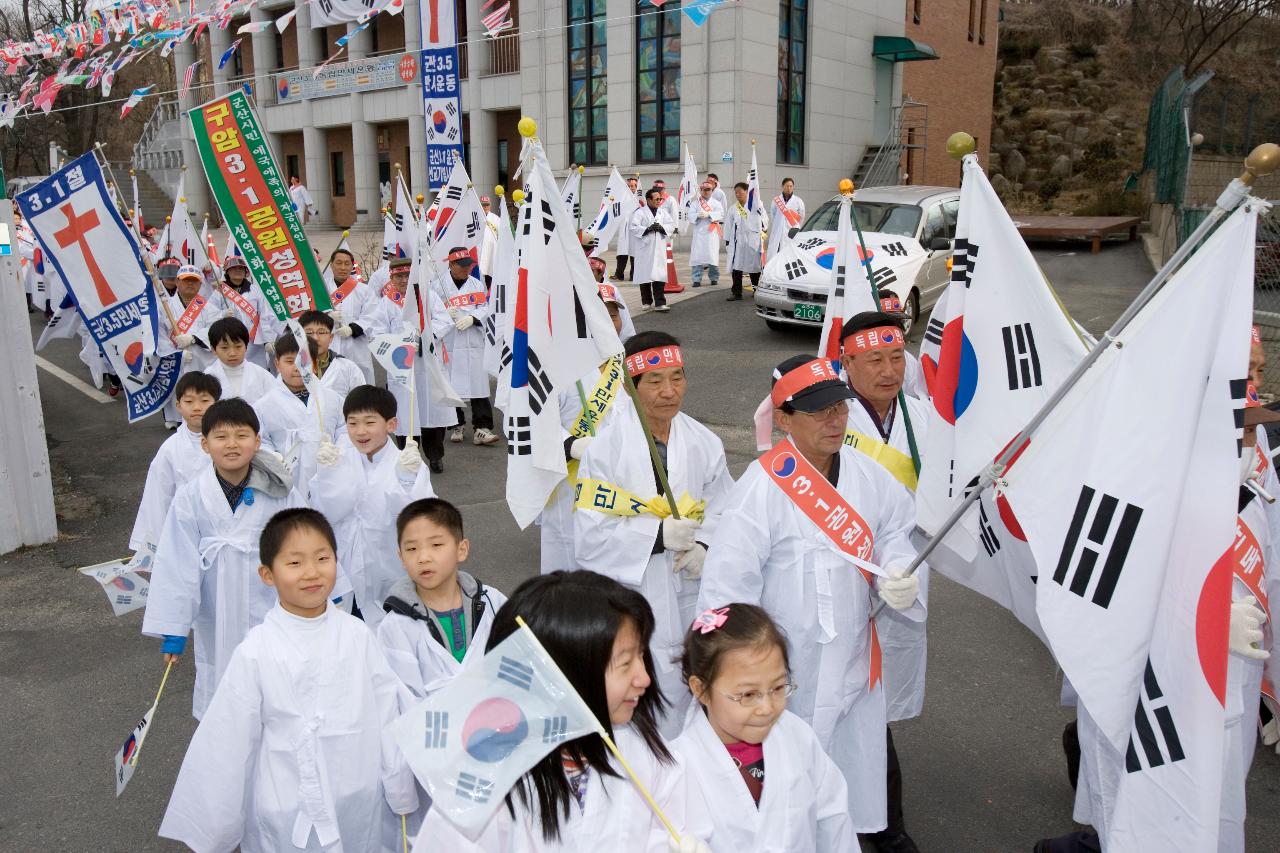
(733, 297)
(1083, 841)
(886, 842)
(436, 466)
(696, 284)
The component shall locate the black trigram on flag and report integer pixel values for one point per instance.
(326, 6)
(1155, 737)
(515, 672)
(540, 386)
(554, 729)
(473, 788)
(437, 729)
(1239, 388)
(838, 289)
(519, 434)
(964, 258)
(987, 533)
(883, 277)
(895, 249)
(473, 227)
(812, 243)
(453, 193)
(933, 331)
(1021, 360)
(491, 329)
(1107, 540)
(795, 269)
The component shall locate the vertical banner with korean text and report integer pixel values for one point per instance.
(83, 236)
(254, 201)
(441, 89)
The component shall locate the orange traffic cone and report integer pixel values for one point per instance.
(673, 284)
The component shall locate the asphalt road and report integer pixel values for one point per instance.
(983, 765)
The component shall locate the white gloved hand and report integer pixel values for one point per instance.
(900, 589)
(228, 313)
(677, 533)
(453, 312)
(1246, 628)
(279, 457)
(327, 454)
(410, 459)
(343, 331)
(336, 314)
(690, 562)
(578, 447)
(687, 844)
(466, 321)
(184, 340)
(702, 214)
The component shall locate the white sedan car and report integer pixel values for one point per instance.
(908, 230)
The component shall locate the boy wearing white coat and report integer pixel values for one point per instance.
(293, 753)
(291, 416)
(467, 304)
(622, 522)
(811, 533)
(337, 372)
(437, 617)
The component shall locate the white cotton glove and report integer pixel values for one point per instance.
(702, 214)
(453, 312)
(900, 589)
(410, 460)
(687, 844)
(578, 447)
(343, 331)
(228, 313)
(677, 533)
(184, 340)
(1246, 628)
(690, 562)
(466, 321)
(279, 457)
(327, 454)
(336, 314)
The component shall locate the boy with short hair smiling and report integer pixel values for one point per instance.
(239, 378)
(288, 411)
(337, 373)
(363, 485)
(204, 572)
(179, 460)
(294, 752)
(438, 617)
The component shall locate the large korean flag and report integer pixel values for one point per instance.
(1128, 498)
(609, 216)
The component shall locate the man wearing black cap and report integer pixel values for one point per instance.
(814, 532)
(465, 298)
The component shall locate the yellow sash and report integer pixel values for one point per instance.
(892, 459)
(600, 399)
(600, 496)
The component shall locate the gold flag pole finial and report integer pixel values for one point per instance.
(1262, 161)
(960, 145)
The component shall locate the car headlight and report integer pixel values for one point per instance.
(766, 284)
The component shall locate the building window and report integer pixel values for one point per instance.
(338, 176)
(982, 23)
(291, 166)
(658, 82)
(588, 89)
(278, 39)
(973, 8)
(793, 55)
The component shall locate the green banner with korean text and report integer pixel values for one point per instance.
(254, 201)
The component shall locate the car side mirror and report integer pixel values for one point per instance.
(940, 244)
(792, 232)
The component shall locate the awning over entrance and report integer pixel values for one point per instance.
(901, 49)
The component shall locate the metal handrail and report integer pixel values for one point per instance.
(143, 153)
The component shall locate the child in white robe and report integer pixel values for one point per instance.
(363, 485)
(337, 373)
(769, 785)
(179, 460)
(597, 631)
(293, 417)
(238, 377)
(293, 753)
(437, 617)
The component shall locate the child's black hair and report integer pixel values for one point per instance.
(228, 328)
(232, 411)
(745, 626)
(309, 317)
(286, 521)
(287, 344)
(370, 398)
(441, 512)
(201, 383)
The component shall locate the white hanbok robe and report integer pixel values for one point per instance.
(179, 460)
(489, 244)
(620, 547)
(465, 366)
(352, 309)
(294, 752)
(249, 382)
(198, 356)
(704, 245)
(650, 250)
(269, 328)
(420, 661)
(205, 573)
(361, 498)
(778, 224)
(303, 203)
(614, 817)
(387, 317)
(342, 375)
(742, 237)
(287, 421)
(766, 551)
(804, 805)
(903, 640)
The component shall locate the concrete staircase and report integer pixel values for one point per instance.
(156, 203)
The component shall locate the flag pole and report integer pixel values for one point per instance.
(133, 761)
(1262, 161)
(590, 416)
(653, 447)
(345, 234)
(608, 741)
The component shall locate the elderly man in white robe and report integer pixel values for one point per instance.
(815, 532)
(786, 212)
(708, 230)
(650, 227)
(351, 298)
(623, 524)
(742, 236)
(467, 302)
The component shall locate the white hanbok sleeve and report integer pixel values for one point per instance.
(893, 537)
(734, 569)
(208, 806)
(438, 321)
(157, 495)
(393, 699)
(336, 489)
(613, 545)
(715, 491)
(398, 646)
(835, 827)
(174, 596)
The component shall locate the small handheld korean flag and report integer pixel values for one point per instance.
(126, 589)
(470, 743)
(396, 352)
(303, 361)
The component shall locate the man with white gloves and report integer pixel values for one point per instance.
(817, 534)
(465, 298)
(623, 524)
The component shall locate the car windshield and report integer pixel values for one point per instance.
(886, 218)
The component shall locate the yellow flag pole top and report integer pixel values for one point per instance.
(420, 197)
(182, 200)
(582, 170)
(846, 186)
(499, 190)
(960, 145)
(517, 196)
(528, 127)
(346, 233)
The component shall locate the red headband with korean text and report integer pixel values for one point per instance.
(654, 359)
(800, 378)
(880, 337)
